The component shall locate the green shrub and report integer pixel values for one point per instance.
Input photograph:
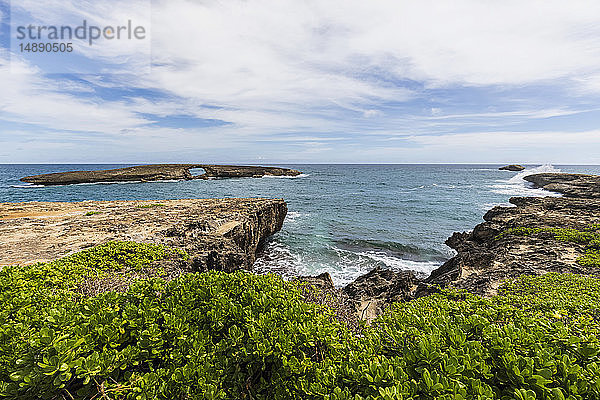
(241, 336)
(537, 339)
(87, 214)
(211, 335)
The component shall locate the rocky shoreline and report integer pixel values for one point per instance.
(536, 236)
(157, 172)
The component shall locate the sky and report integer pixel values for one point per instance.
(288, 81)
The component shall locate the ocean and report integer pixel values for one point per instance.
(342, 219)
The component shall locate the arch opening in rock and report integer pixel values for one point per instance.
(196, 172)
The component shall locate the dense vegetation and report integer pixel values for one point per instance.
(241, 336)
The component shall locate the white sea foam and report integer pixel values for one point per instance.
(30, 186)
(531, 171)
(350, 265)
(344, 268)
(517, 186)
(292, 216)
(422, 268)
(286, 176)
(279, 259)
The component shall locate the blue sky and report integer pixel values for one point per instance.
(264, 81)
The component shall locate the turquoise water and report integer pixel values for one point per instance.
(343, 219)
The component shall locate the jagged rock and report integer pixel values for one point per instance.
(512, 167)
(487, 257)
(571, 185)
(376, 290)
(156, 172)
(221, 234)
(322, 281)
(366, 297)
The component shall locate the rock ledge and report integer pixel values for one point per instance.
(221, 234)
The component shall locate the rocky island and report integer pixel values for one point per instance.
(512, 167)
(157, 172)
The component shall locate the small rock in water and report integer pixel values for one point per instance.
(512, 167)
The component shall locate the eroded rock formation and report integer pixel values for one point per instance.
(221, 234)
(157, 172)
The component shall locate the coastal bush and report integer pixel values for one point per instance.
(241, 336)
(212, 336)
(30, 294)
(537, 339)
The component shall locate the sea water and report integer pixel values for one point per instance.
(342, 219)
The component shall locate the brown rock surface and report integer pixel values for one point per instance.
(221, 234)
(157, 172)
(366, 297)
(376, 290)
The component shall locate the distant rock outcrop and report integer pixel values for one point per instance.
(512, 167)
(157, 172)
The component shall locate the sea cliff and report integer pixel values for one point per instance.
(219, 234)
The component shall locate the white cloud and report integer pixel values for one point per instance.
(499, 141)
(29, 97)
(315, 67)
(527, 114)
(465, 41)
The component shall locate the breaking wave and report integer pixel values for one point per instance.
(344, 265)
(517, 186)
